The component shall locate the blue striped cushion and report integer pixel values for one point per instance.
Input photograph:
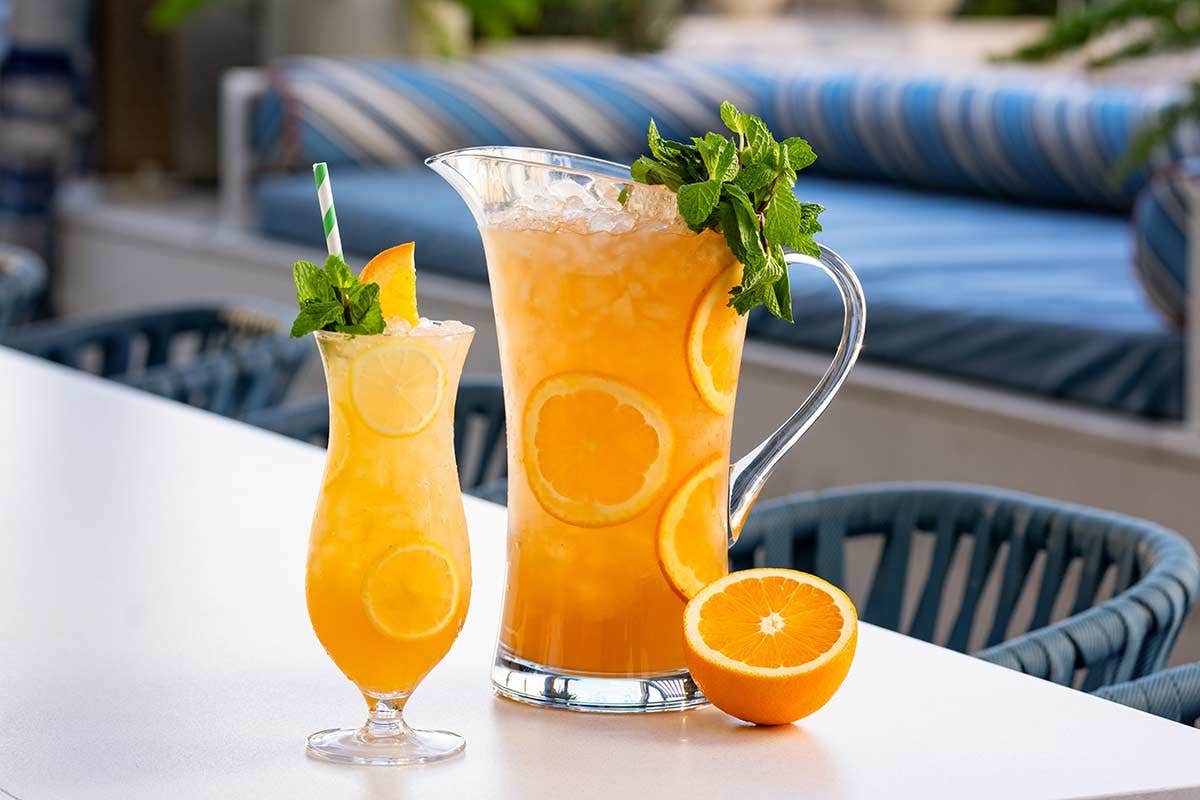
(1160, 238)
(394, 113)
(1003, 136)
(980, 134)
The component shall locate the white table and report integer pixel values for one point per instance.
(154, 644)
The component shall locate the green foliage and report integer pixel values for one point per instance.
(494, 19)
(332, 299)
(633, 25)
(1158, 132)
(1164, 25)
(167, 14)
(1008, 8)
(1147, 27)
(742, 187)
(500, 19)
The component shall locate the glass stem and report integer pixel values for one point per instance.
(386, 720)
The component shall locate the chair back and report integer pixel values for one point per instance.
(1173, 694)
(231, 360)
(22, 281)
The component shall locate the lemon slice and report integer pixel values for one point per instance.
(596, 450)
(691, 533)
(395, 271)
(397, 388)
(714, 344)
(412, 592)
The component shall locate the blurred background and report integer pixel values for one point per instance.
(132, 86)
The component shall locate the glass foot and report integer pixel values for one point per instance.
(537, 685)
(385, 740)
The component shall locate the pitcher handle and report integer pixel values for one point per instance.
(748, 474)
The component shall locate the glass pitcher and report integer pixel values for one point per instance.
(620, 362)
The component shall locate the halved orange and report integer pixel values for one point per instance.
(692, 532)
(714, 343)
(395, 271)
(412, 592)
(596, 449)
(397, 387)
(770, 646)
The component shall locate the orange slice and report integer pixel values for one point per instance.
(770, 646)
(412, 592)
(397, 388)
(692, 531)
(596, 450)
(395, 271)
(714, 344)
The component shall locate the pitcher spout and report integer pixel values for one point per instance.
(461, 169)
(491, 180)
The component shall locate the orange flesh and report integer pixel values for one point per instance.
(719, 358)
(594, 599)
(396, 273)
(692, 540)
(607, 473)
(699, 549)
(771, 622)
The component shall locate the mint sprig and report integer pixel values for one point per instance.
(742, 187)
(333, 299)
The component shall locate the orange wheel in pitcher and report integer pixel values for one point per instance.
(714, 344)
(597, 450)
(692, 530)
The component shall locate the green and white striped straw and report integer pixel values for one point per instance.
(333, 239)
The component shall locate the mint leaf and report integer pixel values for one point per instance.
(333, 299)
(741, 187)
(760, 144)
(779, 302)
(754, 177)
(719, 156)
(642, 169)
(766, 287)
(339, 272)
(311, 282)
(370, 323)
(784, 218)
(740, 225)
(697, 201)
(800, 153)
(361, 297)
(731, 117)
(650, 172)
(675, 154)
(316, 315)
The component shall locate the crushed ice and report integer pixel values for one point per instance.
(587, 206)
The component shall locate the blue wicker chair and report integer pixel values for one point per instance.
(1134, 581)
(1173, 694)
(478, 427)
(22, 281)
(232, 360)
